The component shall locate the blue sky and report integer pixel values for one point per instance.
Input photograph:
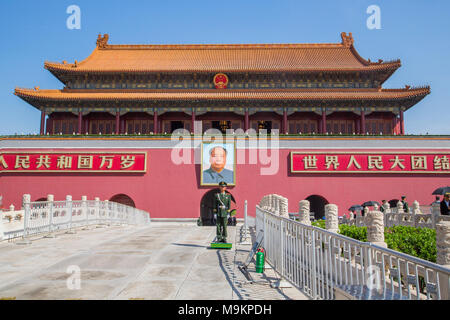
(417, 32)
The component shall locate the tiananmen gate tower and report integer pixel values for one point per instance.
(107, 133)
(307, 88)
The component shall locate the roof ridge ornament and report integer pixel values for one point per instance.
(102, 41)
(347, 40)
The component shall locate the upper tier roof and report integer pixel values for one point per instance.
(229, 58)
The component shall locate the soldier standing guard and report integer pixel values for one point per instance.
(222, 202)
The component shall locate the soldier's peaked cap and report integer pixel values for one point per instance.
(222, 184)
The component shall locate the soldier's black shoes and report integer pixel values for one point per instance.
(224, 240)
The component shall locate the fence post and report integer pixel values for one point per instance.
(400, 207)
(85, 208)
(111, 209)
(435, 212)
(279, 204)
(245, 218)
(443, 256)
(123, 215)
(281, 248)
(135, 221)
(313, 258)
(97, 208)
(69, 206)
(244, 232)
(331, 218)
(50, 200)
(273, 205)
(304, 212)
(114, 213)
(375, 228)
(107, 213)
(416, 207)
(265, 234)
(284, 207)
(26, 200)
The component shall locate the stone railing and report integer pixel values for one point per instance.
(275, 204)
(418, 217)
(48, 217)
(330, 260)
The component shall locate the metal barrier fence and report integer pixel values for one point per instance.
(318, 261)
(52, 216)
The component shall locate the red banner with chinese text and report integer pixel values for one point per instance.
(369, 162)
(73, 162)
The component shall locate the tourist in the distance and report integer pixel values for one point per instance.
(437, 200)
(383, 203)
(405, 204)
(445, 205)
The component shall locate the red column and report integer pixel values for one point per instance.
(86, 125)
(117, 122)
(357, 126)
(395, 125)
(363, 122)
(155, 122)
(246, 121)
(122, 126)
(402, 123)
(80, 122)
(285, 129)
(324, 121)
(42, 123)
(192, 121)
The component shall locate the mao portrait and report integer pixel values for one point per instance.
(218, 163)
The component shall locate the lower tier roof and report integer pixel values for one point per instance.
(212, 94)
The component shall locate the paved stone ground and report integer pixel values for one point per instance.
(168, 260)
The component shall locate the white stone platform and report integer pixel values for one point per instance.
(168, 260)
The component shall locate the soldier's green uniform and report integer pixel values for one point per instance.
(222, 202)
